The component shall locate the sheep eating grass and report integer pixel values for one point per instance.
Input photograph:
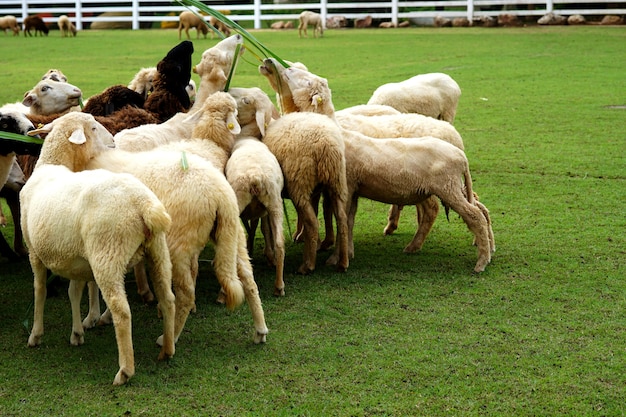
(91, 225)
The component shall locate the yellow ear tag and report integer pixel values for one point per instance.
(319, 100)
(231, 126)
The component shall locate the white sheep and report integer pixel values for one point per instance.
(9, 22)
(433, 94)
(214, 67)
(307, 18)
(255, 111)
(54, 75)
(385, 169)
(52, 97)
(367, 110)
(66, 26)
(203, 208)
(91, 225)
(143, 83)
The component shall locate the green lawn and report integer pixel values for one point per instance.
(540, 332)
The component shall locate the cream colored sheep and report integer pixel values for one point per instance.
(54, 75)
(367, 110)
(91, 225)
(307, 18)
(255, 175)
(203, 208)
(218, 25)
(255, 111)
(9, 22)
(309, 148)
(143, 81)
(310, 92)
(51, 97)
(189, 20)
(433, 94)
(214, 67)
(66, 27)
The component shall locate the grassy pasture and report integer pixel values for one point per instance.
(540, 332)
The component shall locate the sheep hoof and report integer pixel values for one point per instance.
(279, 292)
(389, 229)
(34, 340)
(147, 297)
(260, 337)
(326, 244)
(163, 355)
(305, 270)
(122, 377)
(90, 322)
(77, 339)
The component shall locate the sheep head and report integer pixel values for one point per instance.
(73, 140)
(217, 120)
(55, 75)
(50, 97)
(255, 111)
(174, 72)
(17, 122)
(217, 61)
(143, 81)
(309, 91)
(273, 71)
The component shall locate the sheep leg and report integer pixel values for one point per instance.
(93, 316)
(114, 295)
(184, 289)
(329, 232)
(306, 212)
(278, 243)
(13, 201)
(75, 294)
(351, 209)
(39, 284)
(268, 251)
(251, 227)
(483, 209)
(143, 288)
(476, 222)
(251, 291)
(427, 212)
(393, 217)
(344, 248)
(161, 274)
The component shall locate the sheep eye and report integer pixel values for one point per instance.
(45, 88)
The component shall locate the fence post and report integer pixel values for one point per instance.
(549, 6)
(257, 14)
(24, 10)
(394, 12)
(135, 13)
(324, 12)
(79, 15)
(470, 11)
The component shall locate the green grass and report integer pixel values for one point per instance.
(540, 332)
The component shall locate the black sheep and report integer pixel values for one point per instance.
(37, 23)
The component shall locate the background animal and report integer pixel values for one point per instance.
(188, 20)
(307, 18)
(35, 22)
(9, 22)
(66, 27)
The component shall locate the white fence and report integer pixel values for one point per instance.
(145, 13)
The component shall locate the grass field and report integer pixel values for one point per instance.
(540, 332)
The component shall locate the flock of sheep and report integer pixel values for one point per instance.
(146, 175)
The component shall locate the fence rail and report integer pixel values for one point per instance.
(138, 12)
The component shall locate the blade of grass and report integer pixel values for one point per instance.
(20, 138)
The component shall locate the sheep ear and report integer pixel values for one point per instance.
(193, 117)
(233, 124)
(316, 100)
(78, 137)
(42, 130)
(29, 99)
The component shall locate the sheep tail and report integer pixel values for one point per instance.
(156, 220)
(468, 184)
(226, 237)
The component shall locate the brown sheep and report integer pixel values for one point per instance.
(188, 20)
(35, 22)
(9, 22)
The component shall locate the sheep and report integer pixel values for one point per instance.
(255, 111)
(143, 81)
(35, 22)
(203, 207)
(52, 97)
(214, 66)
(433, 94)
(367, 110)
(169, 95)
(220, 26)
(91, 225)
(307, 18)
(9, 22)
(188, 20)
(54, 75)
(256, 177)
(66, 27)
(400, 171)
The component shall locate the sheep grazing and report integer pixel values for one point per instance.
(35, 22)
(307, 18)
(91, 225)
(214, 67)
(220, 26)
(189, 20)
(9, 22)
(66, 27)
(434, 94)
(169, 95)
(400, 171)
(52, 97)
